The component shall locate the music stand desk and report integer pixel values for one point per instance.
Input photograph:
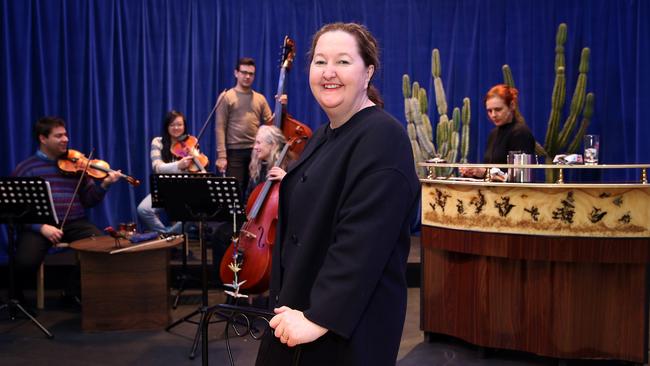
(126, 290)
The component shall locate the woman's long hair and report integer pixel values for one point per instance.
(272, 136)
(166, 153)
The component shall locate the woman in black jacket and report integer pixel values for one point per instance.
(338, 284)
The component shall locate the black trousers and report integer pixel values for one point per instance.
(238, 161)
(32, 247)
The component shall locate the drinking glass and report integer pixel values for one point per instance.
(591, 145)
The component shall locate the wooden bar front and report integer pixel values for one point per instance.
(563, 297)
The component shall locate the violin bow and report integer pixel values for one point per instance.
(76, 190)
(216, 105)
(207, 120)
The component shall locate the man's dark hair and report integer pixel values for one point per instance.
(45, 125)
(245, 61)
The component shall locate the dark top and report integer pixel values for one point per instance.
(514, 136)
(252, 183)
(343, 241)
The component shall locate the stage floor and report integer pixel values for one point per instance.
(21, 343)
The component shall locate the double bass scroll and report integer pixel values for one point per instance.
(290, 127)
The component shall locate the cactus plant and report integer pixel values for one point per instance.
(558, 135)
(418, 131)
(452, 136)
(448, 131)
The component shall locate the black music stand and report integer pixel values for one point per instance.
(204, 199)
(23, 200)
(183, 278)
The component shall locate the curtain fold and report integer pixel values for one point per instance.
(112, 68)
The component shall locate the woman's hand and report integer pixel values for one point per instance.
(276, 173)
(292, 328)
(184, 163)
(472, 172)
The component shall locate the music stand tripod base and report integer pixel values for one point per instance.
(23, 200)
(204, 198)
(158, 202)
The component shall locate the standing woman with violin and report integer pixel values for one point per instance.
(164, 161)
(35, 240)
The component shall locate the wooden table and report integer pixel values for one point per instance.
(124, 290)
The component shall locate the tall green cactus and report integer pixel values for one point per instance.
(558, 136)
(418, 124)
(465, 118)
(450, 134)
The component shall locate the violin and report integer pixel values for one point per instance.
(290, 127)
(257, 236)
(73, 162)
(187, 145)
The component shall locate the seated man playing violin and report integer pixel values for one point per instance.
(35, 240)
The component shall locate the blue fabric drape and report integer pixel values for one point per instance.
(112, 68)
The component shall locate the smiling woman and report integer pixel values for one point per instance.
(339, 78)
(338, 284)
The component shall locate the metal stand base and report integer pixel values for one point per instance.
(12, 304)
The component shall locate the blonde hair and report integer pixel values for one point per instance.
(272, 136)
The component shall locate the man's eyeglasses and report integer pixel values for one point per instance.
(247, 73)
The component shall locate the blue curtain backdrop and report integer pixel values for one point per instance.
(111, 68)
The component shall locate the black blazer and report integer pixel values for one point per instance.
(343, 241)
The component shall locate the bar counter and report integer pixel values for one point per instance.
(558, 270)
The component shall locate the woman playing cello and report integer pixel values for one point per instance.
(264, 166)
(268, 144)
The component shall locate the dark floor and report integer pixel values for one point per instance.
(21, 343)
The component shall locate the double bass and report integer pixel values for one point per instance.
(290, 127)
(257, 235)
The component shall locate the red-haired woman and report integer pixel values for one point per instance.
(511, 132)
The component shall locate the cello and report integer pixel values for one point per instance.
(290, 127)
(252, 252)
